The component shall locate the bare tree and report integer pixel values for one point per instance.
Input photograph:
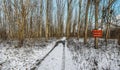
(79, 21)
(69, 15)
(60, 10)
(86, 22)
(41, 19)
(96, 20)
(108, 18)
(48, 18)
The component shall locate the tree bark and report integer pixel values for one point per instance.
(86, 22)
(96, 20)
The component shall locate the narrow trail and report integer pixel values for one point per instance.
(39, 61)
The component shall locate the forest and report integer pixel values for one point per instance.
(59, 34)
(20, 19)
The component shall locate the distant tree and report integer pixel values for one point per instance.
(60, 16)
(86, 22)
(79, 18)
(69, 15)
(48, 18)
(108, 18)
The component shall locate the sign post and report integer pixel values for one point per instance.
(97, 33)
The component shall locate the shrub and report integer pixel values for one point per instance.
(3, 34)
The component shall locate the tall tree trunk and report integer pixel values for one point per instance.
(69, 14)
(41, 20)
(48, 18)
(47, 23)
(86, 22)
(107, 32)
(96, 21)
(108, 24)
(78, 34)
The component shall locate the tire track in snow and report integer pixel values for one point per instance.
(53, 61)
(38, 62)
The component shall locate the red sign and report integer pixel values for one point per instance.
(97, 33)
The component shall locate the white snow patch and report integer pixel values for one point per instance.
(77, 56)
(63, 38)
(20, 58)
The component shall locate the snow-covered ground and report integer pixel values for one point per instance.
(23, 58)
(75, 55)
(87, 58)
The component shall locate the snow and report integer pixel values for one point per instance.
(53, 61)
(20, 58)
(118, 16)
(75, 55)
(57, 61)
(104, 58)
(63, 38)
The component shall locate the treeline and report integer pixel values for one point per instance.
(20, 19)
